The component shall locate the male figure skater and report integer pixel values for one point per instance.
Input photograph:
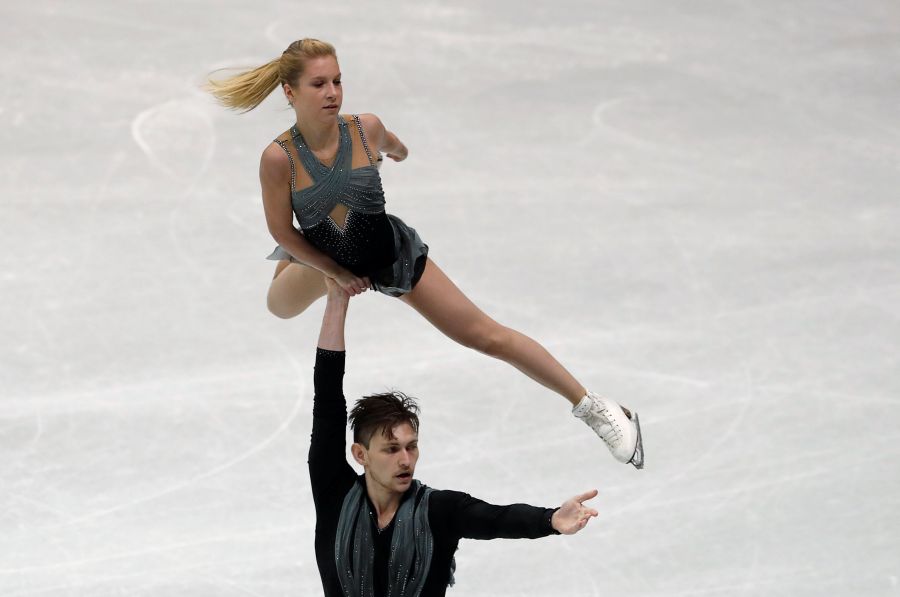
(384, 533)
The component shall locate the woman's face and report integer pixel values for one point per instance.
(318, 95)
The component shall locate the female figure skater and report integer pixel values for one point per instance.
(324, 170)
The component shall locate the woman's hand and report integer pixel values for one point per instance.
(350, 283)
(399, 153)
(573, 515)
(334, 290)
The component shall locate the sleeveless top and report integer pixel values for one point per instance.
(412, 545)
(365, 244)
(372, 243)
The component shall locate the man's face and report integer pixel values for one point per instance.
(390, 461)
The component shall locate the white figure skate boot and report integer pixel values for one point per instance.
(621, 433)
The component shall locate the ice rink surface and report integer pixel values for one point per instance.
(693, 205)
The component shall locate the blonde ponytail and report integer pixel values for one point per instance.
(248, 89)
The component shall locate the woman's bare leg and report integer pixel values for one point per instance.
(439, 300)
(294, 288)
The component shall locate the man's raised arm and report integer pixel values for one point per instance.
(331, 336)
(328, 467)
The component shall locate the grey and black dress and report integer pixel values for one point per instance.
(371, 243)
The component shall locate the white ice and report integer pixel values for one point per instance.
(693, 205)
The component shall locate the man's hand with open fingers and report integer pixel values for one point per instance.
(573, 515)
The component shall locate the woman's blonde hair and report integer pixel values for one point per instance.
(248, 89)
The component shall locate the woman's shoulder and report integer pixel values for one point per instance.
(370, 121)
(275, 159)
(372, 128)
(279, 145)
(283, 138)
(367, 120)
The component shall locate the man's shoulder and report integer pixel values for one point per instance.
(446, 498)
(444, 506)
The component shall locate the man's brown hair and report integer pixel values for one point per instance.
(382, 412)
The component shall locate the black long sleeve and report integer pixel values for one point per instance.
(330, 474)
(454, 515)
(467, 517)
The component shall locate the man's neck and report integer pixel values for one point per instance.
(386, 502)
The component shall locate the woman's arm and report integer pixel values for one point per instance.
(382, 139)
(275, 180)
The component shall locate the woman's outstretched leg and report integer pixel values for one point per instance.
(294, 288)
(442, 303)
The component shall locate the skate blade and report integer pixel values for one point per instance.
(638, 459)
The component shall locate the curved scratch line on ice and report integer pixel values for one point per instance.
(598, 118)
(272, 37)
(137, 126)
(139, 553)
(140, 122)
(712, 450)
(211, 143)
(38, 432)
(295, 410)
(602, 124)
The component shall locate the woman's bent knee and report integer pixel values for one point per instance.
(294, 288)
(279, 309)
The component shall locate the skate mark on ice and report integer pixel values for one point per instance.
(176, 116)
(711, 451)
(250, 452)
(178, 545)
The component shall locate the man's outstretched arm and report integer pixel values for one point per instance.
(329, 472)
(475, 519)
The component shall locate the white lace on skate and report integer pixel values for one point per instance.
(610, 422)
